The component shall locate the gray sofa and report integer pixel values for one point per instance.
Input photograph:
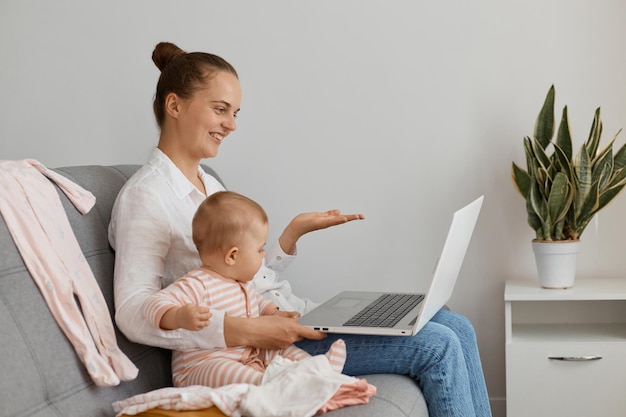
(41, 374)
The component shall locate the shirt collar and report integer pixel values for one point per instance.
(179, 184)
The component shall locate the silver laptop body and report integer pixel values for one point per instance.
(332, 315)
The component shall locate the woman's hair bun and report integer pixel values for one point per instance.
(164, 53)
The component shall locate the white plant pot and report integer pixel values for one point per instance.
(556, 263)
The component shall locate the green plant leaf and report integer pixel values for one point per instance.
(521, 180)
(533, 220)
(540, 155)
(565, 164)
(559, 199)
(544, 182)
(600, 155)
(602, 169)
(544, 125)
(618, 177)
(587, 210)
(617, 185)
(558, 229)
(540, 208)
(531, 162)
(583, 173)
(608, 195)
(563, 137)
(619, 160)
(594, 134)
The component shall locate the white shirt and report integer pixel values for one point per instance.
(150, 230)
(267, 283)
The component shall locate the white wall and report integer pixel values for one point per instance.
(400, 110)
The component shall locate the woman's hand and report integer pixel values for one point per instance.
(288, 314)
(308, 222)
(266, 332)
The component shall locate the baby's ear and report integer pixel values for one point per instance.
(230, 257)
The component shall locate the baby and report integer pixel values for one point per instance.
(229, 231)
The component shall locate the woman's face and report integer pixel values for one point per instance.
(205, 119)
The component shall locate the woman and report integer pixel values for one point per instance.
(197, 100)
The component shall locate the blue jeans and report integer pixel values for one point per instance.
(443, 358)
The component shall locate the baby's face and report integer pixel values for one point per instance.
(251, 252)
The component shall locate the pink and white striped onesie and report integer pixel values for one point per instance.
(217, 367)
(35, 217)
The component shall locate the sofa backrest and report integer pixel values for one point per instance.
(40, 372)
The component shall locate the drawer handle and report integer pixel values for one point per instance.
(575, 358)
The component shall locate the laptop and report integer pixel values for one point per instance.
(368, 312)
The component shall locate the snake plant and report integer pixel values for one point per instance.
(562, 191)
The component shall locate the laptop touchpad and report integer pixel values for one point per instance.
(346, 302)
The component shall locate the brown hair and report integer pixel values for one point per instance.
(222, 219)
(183, 73)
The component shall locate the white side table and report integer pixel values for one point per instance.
(566, 349)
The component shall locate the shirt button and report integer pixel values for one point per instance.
(277, 294)
(278, 258)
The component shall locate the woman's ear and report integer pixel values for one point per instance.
(172, 105)
(230, 257)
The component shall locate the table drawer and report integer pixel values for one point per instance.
(590, 379)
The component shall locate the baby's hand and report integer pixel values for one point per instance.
(288, 314)
(193, 317)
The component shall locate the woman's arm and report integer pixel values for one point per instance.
(267, 280)
(308, 222)
(266, 332)
(140, 233)
(278, 331)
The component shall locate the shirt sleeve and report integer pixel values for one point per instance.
(277, 260)
(140, 235)
(268, 283)
(266, 307)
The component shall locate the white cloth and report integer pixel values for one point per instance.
(288, 389)
(150, 231)
(195, 397)
(293, 389)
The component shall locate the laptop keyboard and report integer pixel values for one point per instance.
(386, 311)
